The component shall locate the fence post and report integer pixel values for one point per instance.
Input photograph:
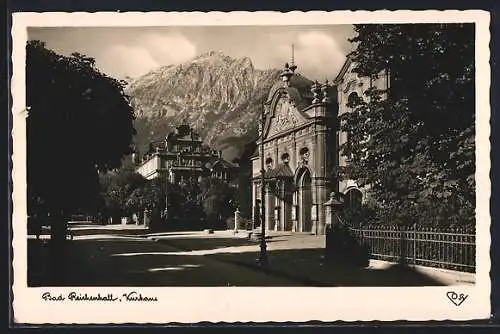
(414, 244)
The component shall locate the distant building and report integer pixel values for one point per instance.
(182, 157)
(352, 86)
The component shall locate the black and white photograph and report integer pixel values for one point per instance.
(328, 163)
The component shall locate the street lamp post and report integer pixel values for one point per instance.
(263, 251)
(166, 200)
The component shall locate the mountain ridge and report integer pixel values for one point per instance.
(219, 96)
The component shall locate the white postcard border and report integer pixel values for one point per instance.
(221, 304)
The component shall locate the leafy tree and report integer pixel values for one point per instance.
(79, 122)
(244, 179)
(182, 208)
(413, 145)
(189, 203)
(117, 188)
(218, 200)
(150, 196)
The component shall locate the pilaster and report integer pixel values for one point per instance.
(295, 216)
(269, 211)
(321, 200)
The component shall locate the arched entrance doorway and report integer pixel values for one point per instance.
(304, 200)
(353, 200)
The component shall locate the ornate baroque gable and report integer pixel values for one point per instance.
(286, 116)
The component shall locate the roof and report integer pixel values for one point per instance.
(183, 132)
(255, 153)
(281, 171)
(299, 89)
(222, 163)
(343, 70)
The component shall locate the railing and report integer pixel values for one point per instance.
(447, 248)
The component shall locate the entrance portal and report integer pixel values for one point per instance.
(353, 199)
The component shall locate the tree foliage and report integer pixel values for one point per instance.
(79, 122)
(189, 202)
(244, 179)
(119, 189)
(413, 144)
(217, 200)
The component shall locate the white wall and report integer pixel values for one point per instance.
(150, 168)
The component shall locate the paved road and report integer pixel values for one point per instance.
(118, 256)
(121, 255)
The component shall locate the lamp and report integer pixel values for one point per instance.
(263, 251)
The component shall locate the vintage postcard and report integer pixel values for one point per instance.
(250, 167)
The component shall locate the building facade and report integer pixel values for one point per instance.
(351, 86)
(297, 127)
(182, 157)
(301, 139)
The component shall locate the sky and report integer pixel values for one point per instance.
(133, 51)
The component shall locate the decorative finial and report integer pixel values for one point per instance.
(324, 90)
(286, 75)
(293, 67)
(316, 90)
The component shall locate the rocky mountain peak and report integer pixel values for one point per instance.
(219, 96)
(219, 59)
(211, 53)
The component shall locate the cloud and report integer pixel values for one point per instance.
(123, 60)
(148, 52)
(317, 54)
(169, 49)
(319, 50)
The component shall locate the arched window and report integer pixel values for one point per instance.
(269, 163)
(352, 100)
(304, 155)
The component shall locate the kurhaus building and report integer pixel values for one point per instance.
(182, 157)
(301, 149)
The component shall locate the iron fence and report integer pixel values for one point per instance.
(451, 248)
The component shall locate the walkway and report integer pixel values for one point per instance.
(127, 255)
